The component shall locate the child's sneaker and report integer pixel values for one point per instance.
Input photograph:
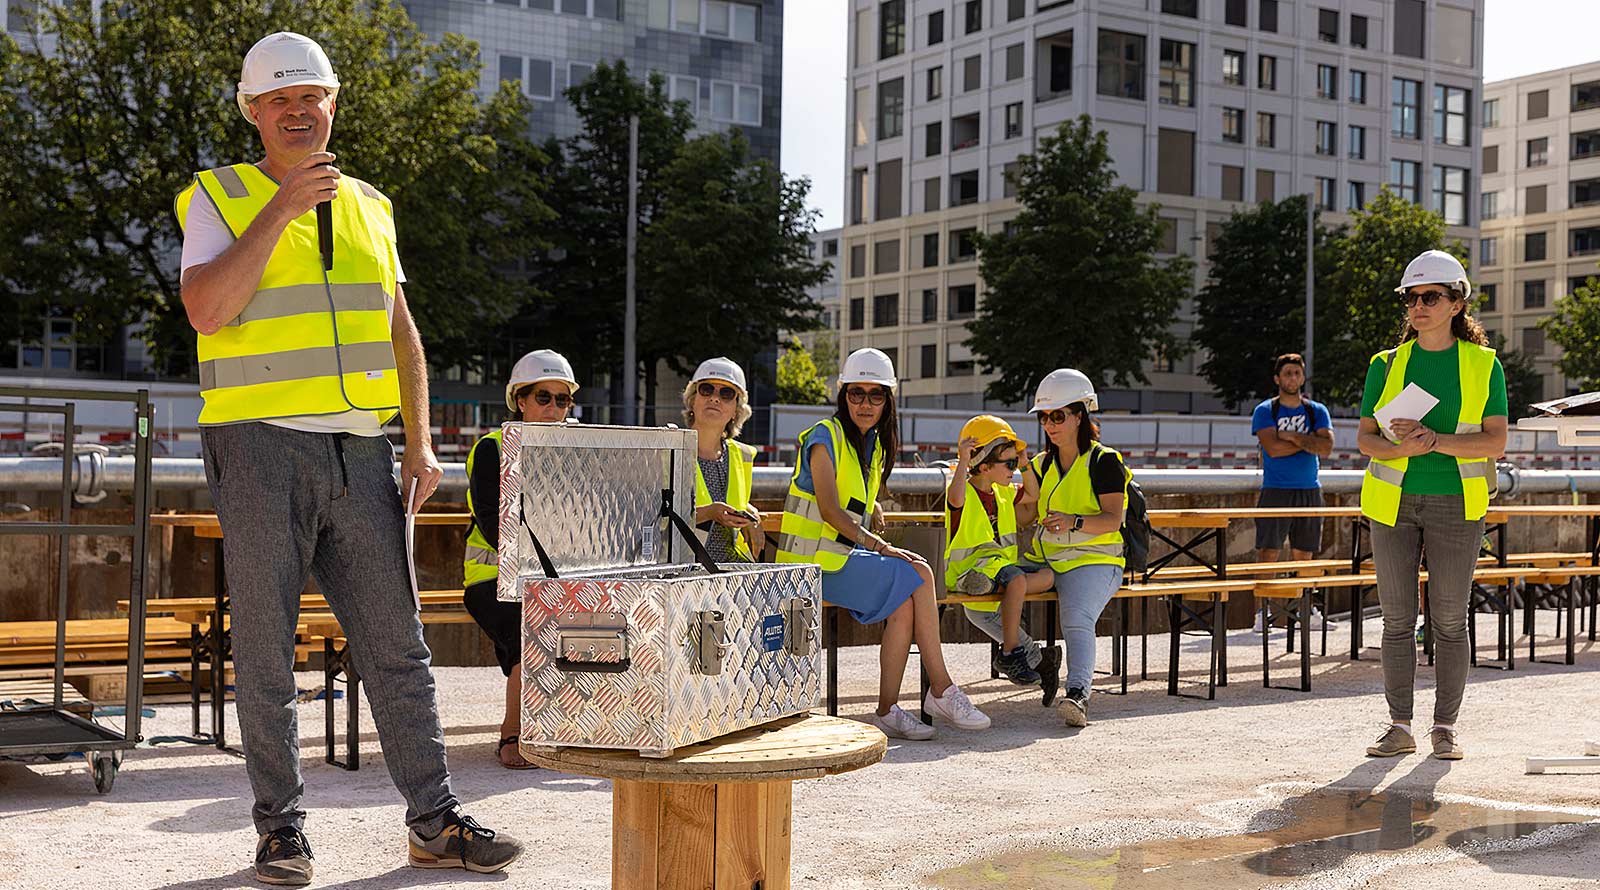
(1014, 665)
(1050, 673)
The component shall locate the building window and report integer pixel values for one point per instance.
(1357, 196)
(930, 259)
(1177, 73)
(1266, 130)
(971, 73)
(1533, 294)
(1408, 16)
(963, 188)
(1358, 143)
(1533, 247)
(1577, 281)
(885, 310)
(1190, 8)
(963, 299)
(858, 196)
(1014, 120)
(888, 189)
(963, 247)
(1236, 13)
(1489, 205)
(1406, 120)
(974, 16)
(929, 354)
(1538, 105)
(1327, 82)
(1056, 51)
(1450, 114)
(1232, 183)
(1585, 144)
(1175, 162)
(1008, 178)
(1121, 65)
(1450, 194)
(1358, 87)
(891, 108)
(1233, 68)
(1486, 298)
(1538, 152)
(830, 247)
(1267, 72)
(1358, 31)
(960, 368)
(1327, 138)
(936, 28)
(1586, 95)
(1233, 125)
(1533, 200)
(1327, 189)
(1405, 176)
(933, 143)
(1533, 338)
(1491, 159)
(686, 90)
(1014, 60)
(886, 257)
(738, 20)
(935, 83)
(1267, 16)
(736, 103)
(1266, 190)
(965, 132)
(931, 190)
(1585, 192)
(534, 75)
(1328, 25)
(1585, 241)
(891, 28)
(863, 113)
(1489, 251)
(858, 313)
(1491, 113)
(1016, 9)
(578, 73)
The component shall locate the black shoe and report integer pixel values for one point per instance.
(1075, 710)
(1050, 673)
(463, 843)
(1014, 665)
(283, 857)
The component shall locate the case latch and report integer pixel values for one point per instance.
(800, 618)
(592, 641)
(711, 643)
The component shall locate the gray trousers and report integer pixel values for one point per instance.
(292, 504)
(1433, 522)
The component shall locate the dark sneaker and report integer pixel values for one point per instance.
(1014, 665)
(1075, 710)
(283, 857)
(1395, 740)
(463, 843)
(1445, 746)
(1050, 673)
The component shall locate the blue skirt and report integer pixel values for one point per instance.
(870, 586)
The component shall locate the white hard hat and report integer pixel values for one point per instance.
(721, 368)
(1062, 387)
(536, 366)
(284, 59)
(1436, 267)
(867, 365)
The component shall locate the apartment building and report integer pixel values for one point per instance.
(1540, 205)
(1207, 105)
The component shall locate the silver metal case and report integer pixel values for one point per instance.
(635, 645)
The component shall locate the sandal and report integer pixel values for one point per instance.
(520, 764)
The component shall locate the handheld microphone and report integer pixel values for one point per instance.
(325, 232)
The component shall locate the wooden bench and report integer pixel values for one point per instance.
(1566, 579)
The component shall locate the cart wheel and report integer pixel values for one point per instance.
(105, 772)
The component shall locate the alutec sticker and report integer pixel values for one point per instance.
(772, 633)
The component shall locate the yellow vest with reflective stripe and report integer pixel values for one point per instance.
(482, 561)
(1074, 493)
(977, 545)
(305, 344)
(741, 472)
(1384, 481)
(804, 537)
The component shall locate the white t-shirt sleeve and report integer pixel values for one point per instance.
(206, 236)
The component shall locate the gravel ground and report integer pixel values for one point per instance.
(1148, 767)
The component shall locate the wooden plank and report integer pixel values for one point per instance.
(740, 859)
(635, 834)
(686, 851)
(779, 820)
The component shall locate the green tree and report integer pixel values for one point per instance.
(1370, 258)
(1073, 281)
(1524, 383)
(1253, 308)
(1575, 327)
(101, 133)
(799, 381)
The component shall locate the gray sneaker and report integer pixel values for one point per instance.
(463, 843)
(283, 857)
(1445, 746)
(1394, 740)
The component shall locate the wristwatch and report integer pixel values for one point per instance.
(1077, 522)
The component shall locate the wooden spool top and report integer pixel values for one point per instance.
(806, 746)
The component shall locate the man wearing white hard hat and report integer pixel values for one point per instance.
(540, 390)
(716, 404)
(304, 355)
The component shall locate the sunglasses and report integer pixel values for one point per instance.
(1057, 416)
(1431, 298)
(1010, 463)
(545, 397)
(859, 396)
(725, 393)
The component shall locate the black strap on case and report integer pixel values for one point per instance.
(701, 555)
(538, 548)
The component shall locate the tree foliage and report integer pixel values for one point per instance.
(1575, 327)
(799, 380)
(1524, 383)
(1073, 282)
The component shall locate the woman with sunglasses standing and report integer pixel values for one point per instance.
(842, 464)
(1427, 487)
(540, 391)
(716, 406)
(1079, 489)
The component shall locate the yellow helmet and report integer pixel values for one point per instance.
(987, 428)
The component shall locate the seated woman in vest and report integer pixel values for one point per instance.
(540, 391)
(843, 463)
(1080, 488)
(1427, 488)
(716, 405)
(981, 515)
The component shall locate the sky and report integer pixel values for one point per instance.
(1520, 37)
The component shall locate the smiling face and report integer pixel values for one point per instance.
(1061, 427)
(293, 122)
(994, 469)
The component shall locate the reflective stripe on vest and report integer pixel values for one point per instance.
(978, 545)
(481, 562)
(741, 474)
(1074, 494)
(308, 342)
(805, 537)
(1384, 480)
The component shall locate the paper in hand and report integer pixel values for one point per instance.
(411, 543)
(1413, 403)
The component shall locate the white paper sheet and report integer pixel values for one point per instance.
(1413, 403)
(411, 542)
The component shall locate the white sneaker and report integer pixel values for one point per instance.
(1260, 625)
(897, 724)
(956, 708)
(1318, 620)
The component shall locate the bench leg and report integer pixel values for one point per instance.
(336, 661)
(833, 662)
(1175, 625)
(1266, 643)
(1144, 638)
(195, 643)
(1219, 615)
(994, 653)
(1572, 602)
(1305, 638)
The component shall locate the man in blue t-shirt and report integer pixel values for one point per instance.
(1293, 432)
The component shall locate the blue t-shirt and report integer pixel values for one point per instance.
(819, 436)
(1298, 470)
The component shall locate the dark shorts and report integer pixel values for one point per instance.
(501, 622)
(1303, 532)
(1003, 577)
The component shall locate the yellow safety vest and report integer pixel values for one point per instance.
(1074, 493)
(979, 545)
(308, 342)
(741, 472)
(1384, 480)
(804, 537)
(482, 560)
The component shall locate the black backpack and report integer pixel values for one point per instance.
(1135, 529)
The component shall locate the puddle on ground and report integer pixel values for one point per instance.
(1302, 836)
